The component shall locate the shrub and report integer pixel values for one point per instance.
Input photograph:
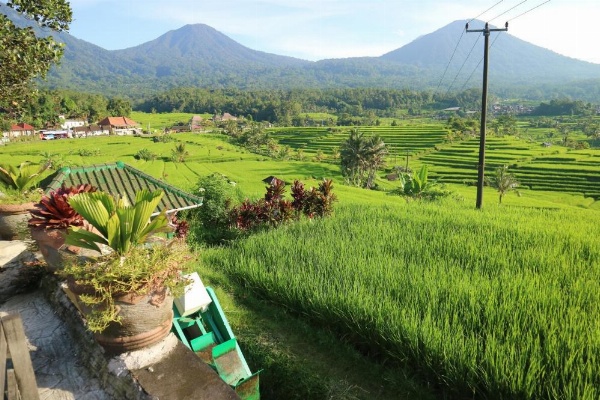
(163, 139)
(274, 210)
(210, 223)
(88, 153)
(145, 154)
(419, 186)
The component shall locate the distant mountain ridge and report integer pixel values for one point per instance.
(510, 57)
(199, 56)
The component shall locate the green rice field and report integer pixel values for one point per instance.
(495, 304)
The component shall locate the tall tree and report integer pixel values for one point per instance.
(118, 107)
(25, 56)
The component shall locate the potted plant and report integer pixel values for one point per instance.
(17, 197)
(127, 295)
(50, 219)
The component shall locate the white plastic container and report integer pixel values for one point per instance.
(195, 298)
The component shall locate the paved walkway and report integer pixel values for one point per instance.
(62, 362)
(58, 373)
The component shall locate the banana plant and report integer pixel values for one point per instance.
(121, 226)
(414, 185)
(21, 178)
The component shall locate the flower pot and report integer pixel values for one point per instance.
(13, 221)
(51, 243)
(145, 320)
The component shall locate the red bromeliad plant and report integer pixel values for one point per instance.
(54, 212)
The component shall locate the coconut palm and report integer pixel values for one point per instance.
(361, 157)
(376, 152)
(503, 182)
(352, 154)
(179, 152)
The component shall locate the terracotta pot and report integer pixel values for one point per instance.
(13, 221)
(51, 243)
(145, 320)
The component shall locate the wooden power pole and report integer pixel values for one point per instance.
(481, 166)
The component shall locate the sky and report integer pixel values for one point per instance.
(319, 29)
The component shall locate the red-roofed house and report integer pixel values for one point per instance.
(21, 129)
(225, 117)
(120, 125)
(196, 123)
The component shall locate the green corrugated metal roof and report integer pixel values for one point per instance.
(123, 180)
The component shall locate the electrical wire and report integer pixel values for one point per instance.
(531, 9)
(472, 19)
(479, 63)
(498, 35)
(463, 64)
(510, 9)
(448, 65)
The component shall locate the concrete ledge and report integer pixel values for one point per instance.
(167, 370)
(11, 251)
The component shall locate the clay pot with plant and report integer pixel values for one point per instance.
(50, 219)
(18, 194)
(126, 296)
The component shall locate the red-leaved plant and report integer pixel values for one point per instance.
(274, 210)
(54, 212)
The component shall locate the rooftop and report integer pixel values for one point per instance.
(121, 179)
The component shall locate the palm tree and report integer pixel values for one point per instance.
(179, 152)
(361, 158)
(376, 152)
(503, 182)
(352, 154)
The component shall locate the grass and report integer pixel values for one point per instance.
(158, 122)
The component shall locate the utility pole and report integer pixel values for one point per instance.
(481, 166)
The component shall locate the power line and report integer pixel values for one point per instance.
(498, 35)
(531, 9)
(463, 64)
(448, 65)
(472, 19)
(479, 63)
(510, 9)
(456, 48)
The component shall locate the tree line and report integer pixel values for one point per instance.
(351, 107)
(283, 106)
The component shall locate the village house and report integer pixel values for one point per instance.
(224, 117)
(90, 130)
(196, 123)
(20, 129)
(69, 124)
(121, 126)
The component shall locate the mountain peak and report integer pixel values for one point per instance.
(203, 42)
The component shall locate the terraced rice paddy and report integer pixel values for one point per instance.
(536, 167)
(400, 140)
